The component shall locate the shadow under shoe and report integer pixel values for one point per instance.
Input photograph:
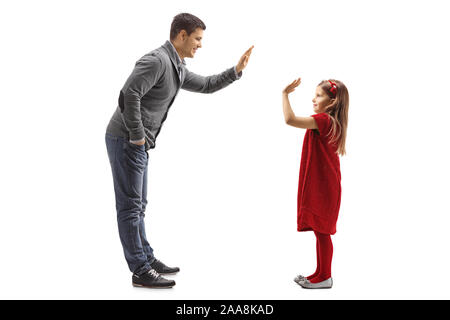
(151, 279)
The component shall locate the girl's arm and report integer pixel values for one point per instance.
(289, 116)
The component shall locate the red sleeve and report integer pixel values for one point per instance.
(323, 123)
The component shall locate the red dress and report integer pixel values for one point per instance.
(319, 187)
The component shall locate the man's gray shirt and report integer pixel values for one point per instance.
(151, 89)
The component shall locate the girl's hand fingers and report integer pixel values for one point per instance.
(295, 83)
(291, 87)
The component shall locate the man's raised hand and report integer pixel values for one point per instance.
(244, 60)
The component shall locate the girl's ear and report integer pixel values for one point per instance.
(332, 103)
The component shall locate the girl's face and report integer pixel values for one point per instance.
(321, 100)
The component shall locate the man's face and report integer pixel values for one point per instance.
(192, 42)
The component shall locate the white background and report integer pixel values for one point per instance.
(223, 177)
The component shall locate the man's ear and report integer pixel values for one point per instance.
(183, 35)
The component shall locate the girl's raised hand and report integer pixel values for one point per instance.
(292, 86)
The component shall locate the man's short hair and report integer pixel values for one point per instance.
(185, 21)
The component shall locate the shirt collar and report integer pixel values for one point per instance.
(174, 55)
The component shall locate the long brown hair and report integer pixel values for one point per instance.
(338, 112)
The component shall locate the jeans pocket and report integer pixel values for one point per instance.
(137, 146)
(136, 154)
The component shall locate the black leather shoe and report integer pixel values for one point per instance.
(162, 268)
(151, 279)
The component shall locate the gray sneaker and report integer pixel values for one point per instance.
(326, 284)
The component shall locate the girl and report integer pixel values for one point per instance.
(319, 190)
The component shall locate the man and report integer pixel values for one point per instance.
(144, 102)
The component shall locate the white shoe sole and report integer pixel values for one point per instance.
(326, 284)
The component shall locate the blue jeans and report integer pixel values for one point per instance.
(129, 163)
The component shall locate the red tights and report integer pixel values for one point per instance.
(324, 250)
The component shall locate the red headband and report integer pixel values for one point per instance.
(333, 88)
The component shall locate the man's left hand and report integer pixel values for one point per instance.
(244, 60)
